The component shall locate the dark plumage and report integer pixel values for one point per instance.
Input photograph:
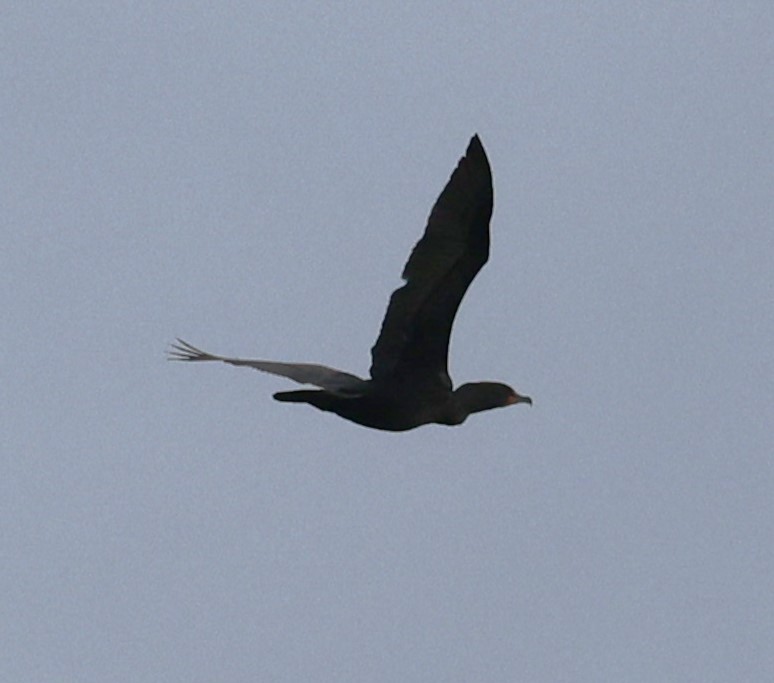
(410, 384)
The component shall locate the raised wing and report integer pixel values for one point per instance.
(330, 379)
(414, 339)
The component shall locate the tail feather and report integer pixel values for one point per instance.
(302, 396)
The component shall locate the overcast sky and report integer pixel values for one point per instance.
(251, 177)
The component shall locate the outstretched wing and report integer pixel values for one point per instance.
(414, 339)
(330, 379)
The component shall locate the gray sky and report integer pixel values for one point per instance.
(251, 177)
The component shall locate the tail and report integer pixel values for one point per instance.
(302, 396)
(322, 400)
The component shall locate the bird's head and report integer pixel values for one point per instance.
(513, 397)
(478, 396)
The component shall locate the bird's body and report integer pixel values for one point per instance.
(395, 407)
(410, 385)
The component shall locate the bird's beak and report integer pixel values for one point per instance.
(526, 399)
(515, 398)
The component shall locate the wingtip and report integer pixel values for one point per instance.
(182, 350)
(475, 147)
(176, 351)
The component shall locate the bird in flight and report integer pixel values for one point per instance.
(410, 384)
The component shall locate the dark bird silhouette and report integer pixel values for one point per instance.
(410, 384)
